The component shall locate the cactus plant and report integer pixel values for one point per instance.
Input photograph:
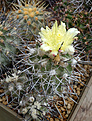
(51, 64)
(46, 73)
(31, 16)
(50, 2)
(9, 40)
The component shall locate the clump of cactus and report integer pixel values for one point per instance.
(31, 16)
(47, 68)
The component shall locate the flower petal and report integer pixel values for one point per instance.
(54, 28)
(70, 35)
(45, 47)
(62, 28)
(70, 49)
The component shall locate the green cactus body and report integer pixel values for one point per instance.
(8, 40)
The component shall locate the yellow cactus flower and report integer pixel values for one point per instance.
(57, 38)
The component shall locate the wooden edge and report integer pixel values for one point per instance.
(6, 114)
(81, 100)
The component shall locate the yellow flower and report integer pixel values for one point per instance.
(57, 38)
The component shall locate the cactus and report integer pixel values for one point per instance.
(45, 76)
(9, 40)
(50, 66)
(31, 16)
